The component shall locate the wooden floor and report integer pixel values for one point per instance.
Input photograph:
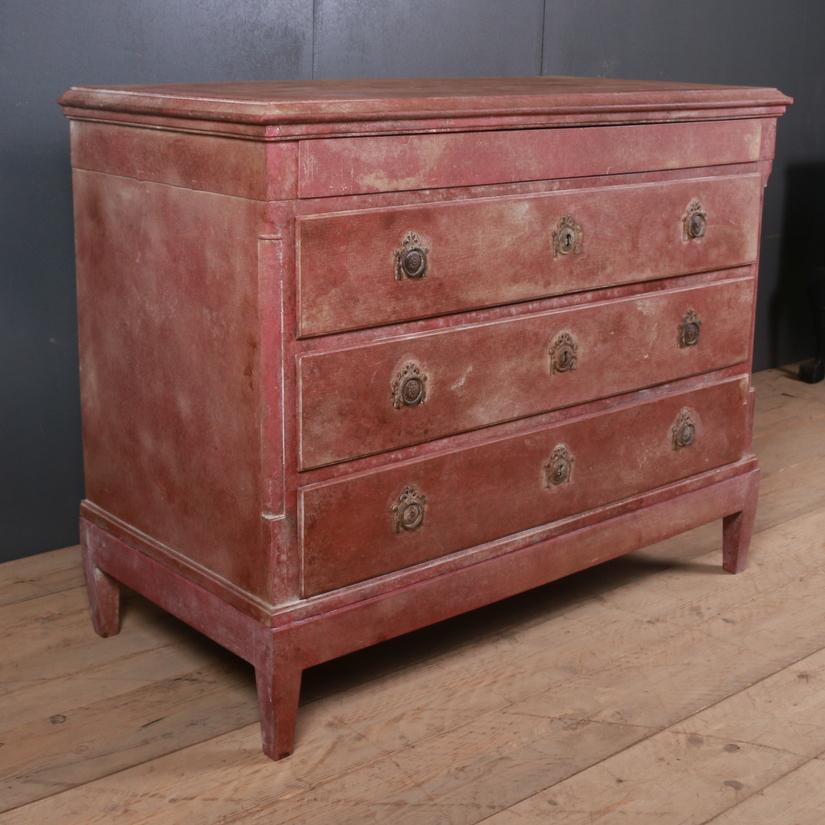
(653, 689)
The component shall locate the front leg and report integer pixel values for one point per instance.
(737, 529)
(278, 678)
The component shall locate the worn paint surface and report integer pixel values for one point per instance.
(350, 166)
(478, 495)
(241, 324)
(170, 382)
(490, 251)
(205, 162)
(482, 374)
(272, 108)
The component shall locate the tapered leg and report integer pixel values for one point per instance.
(737, 529)
(103, 592)
(278, 677)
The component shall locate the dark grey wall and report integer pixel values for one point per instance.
(46, 46)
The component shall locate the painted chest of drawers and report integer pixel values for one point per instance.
(360, 356)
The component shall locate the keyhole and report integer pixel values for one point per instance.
(563, 357)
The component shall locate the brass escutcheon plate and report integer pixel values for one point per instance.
(684, 430)
(408, 511)
(695, 221)
(564, 353)
(409, 387)
(411, 258)
(689, 329)
(567, 237)
(558, 469)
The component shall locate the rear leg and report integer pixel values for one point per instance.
(102, 590)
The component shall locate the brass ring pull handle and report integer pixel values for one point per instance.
(695, 221)
(411, 258)
(563, 353)
(567, 237)
(683, 432)
(689, 329)
(408, 511)
(558, 469)
(409, 388)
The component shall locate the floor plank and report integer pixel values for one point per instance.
(569, 725)
(700, 768)
(453, 724)
(797, 798)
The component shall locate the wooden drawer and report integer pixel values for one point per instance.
(393, 163)
(489, 251)
(361, 400)
(356, 527)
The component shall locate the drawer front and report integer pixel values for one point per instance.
(394, 163)
(388, 519)
(379, 266)
(415, 388)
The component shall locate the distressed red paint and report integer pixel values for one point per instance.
(243, 326)
(620, 345)
(483, 252)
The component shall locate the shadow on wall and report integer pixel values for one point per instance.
(797, 304)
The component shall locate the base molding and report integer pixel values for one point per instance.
(339, 631)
